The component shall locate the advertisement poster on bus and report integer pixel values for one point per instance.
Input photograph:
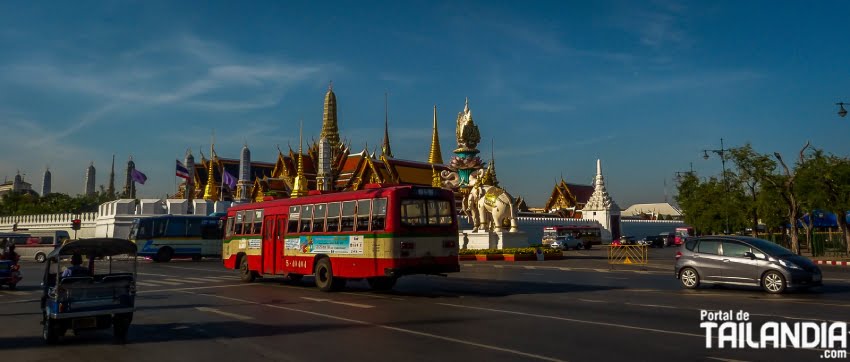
(326, 244)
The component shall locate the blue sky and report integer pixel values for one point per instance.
(645, 86)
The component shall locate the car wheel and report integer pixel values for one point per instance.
(50, 332)
(40, 257)
(689, 278)
(773, 282)
(579, 246)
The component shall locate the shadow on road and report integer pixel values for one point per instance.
(176, 332)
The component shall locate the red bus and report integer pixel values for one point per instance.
(683, 233)
(377, 234)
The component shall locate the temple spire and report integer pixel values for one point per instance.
(385, 146)
(300, 185)
(211, 190)
(435, 156)
(330, 129)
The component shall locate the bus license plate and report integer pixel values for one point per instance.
(80, 323)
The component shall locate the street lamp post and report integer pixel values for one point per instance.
(841, 111)
(722, 153)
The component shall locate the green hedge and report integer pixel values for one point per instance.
(527, 251)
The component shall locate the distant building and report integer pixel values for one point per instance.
(16, 185)
(46, 183)
(653, 211)
(568, 199)
(90, 180)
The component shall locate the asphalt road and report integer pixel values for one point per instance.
(577, 309)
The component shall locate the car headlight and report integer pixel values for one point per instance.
(788, 264)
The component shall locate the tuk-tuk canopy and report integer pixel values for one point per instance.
(96, 247)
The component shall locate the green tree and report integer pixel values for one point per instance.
(824, 183)
(789, 195)
(752, 170)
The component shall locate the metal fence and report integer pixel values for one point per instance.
(627, 254)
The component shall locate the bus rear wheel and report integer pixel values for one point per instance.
(325, 279)
(382, 283)
(163, 255)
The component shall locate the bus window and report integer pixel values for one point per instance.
(444, 210)
(159, 226)
(193, 226)
(143, 229)
(333, 217)
(237, 226)
(364, 209)
(175, 227)
(210, 230)
(306, 217)
(347, 220)
(433, 213)
(247, 222)
(379, 213)
(413, 212)
(229, 228)
(46, 240)
(319, 218)
(294, 214)
(258, 222)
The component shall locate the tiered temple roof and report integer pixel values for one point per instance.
(568, 198)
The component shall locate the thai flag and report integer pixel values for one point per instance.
(182, 171)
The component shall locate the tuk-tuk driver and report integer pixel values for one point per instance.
(76, 269)
(10, 254)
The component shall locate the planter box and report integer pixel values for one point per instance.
(486, 257)
(519, 257)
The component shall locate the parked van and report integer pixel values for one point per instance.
(40, 243)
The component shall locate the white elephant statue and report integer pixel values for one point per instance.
(489, 205)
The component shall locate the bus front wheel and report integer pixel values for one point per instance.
(245, 274)
(325, 279)
(163, 255)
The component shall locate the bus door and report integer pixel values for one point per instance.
(280, 232)
(269, 245)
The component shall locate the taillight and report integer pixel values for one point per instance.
(449, 243)
(408, 245)
(678, 254)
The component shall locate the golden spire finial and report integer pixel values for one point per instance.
(435, 156)
(300, 185)
(330, 129)
(435, 178)
(385, 146)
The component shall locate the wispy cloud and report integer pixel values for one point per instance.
(550, 107)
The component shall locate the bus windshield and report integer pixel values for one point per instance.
(421, 212)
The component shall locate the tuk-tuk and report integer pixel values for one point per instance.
(97, 291)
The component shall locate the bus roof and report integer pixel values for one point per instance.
(330, 197)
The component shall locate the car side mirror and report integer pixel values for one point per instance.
(750, 255)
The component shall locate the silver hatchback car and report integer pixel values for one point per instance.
(742, 260)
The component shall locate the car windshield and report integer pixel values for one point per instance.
(768, 247)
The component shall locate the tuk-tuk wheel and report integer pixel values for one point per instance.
(50, 332)
(120, 326)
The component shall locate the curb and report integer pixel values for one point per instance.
(832, 262)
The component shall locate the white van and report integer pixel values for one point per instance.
(39, 244)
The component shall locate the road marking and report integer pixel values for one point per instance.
(144, 284)
(226, 314)
(498, 266)
(184, 280)
(164, 282)
(16, 292)
(565, 268)
(532, 273)
(396, 329)
(725, 359)
(603, 270)
(616, 278)
(195, 288)
(207, 280)
(156, 275)
(654, 305)
(592, 300)
(529, 267)
(575, 320)
(367, 295)
(358, 305)
(201, 269)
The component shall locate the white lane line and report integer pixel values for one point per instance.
(603, 270)
(368, 295)
(155, 275)
(226, 314)
(200, 269)
(592, 300)
(206, 280)
(529, 267)
(575, 320)
(565, 268)
(395, 329)
(226, 277)
(164, 282)
(357, 305)
(654, 305)
(144, 284)
(196, 288)
(16, 292)
(619, 278)
(725, 359)
(498, 266)
(183, 280)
